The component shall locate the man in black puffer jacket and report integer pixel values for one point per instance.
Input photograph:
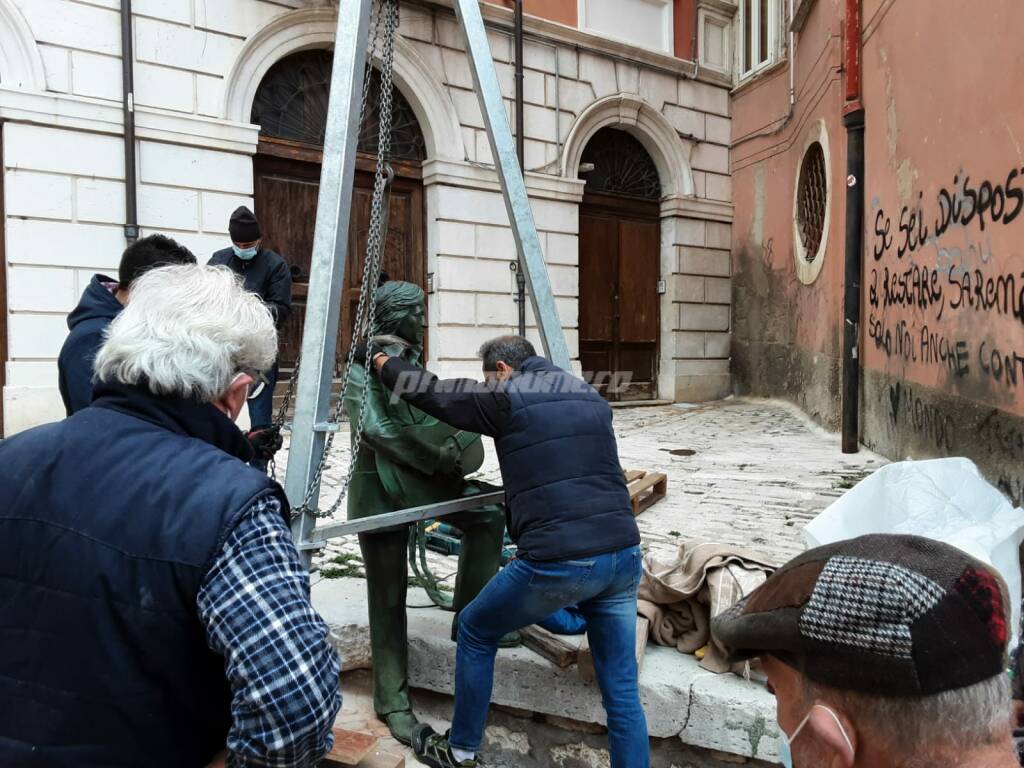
(268, 275)
(570, 515)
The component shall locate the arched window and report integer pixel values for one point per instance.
(621, 166)
(291, 103)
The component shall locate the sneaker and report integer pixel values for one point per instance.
(433, 749)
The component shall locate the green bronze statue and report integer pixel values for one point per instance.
(408, 459)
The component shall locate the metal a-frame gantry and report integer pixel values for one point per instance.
(330, 252)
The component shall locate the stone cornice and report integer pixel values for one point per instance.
(60, 110)
(456, 173)
(697, 208)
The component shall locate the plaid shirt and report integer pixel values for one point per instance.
(282, 669)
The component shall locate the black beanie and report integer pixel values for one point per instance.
(243, 226)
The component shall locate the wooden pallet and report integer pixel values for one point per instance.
(645, 488)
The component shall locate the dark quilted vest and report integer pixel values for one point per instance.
(560, 465)
(109, 522)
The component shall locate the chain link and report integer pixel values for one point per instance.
(362, 323)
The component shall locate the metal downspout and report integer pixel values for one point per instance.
(853, 121)
(131, 218)
(520, 154)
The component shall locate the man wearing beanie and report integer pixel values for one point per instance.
(266, 274)
(883, 651)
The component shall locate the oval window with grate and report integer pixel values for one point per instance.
(811, 206)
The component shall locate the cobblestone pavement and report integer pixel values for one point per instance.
(741, 471)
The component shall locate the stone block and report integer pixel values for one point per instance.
(456, 308)
(38, 195)
(239, 19)
(209, 95)
(73, 25)
(718, 344)
(573, 96)
(562, 249)
(459, 203)
(537, 155)
(748, 727)
(719, 235)
(710, 157)
(456, 238)
(718, 187)
(342, 604)
(538, 56)
(705, 97)
(57, 63)
(455, 342)
(458, 274)
(178, 166)
(556, 215)
(167, 88)
(483, 147)
(533, 86)
(540, 122)
(179, 11)
(689, 288)
(506, 79)
(689, 343)
(52, 149)
(568, 63)
(456, 68)
(217, 209)
(26, 407)
(36, 335)
(90, 246)
(96, 76)
(705, 261)
(564, 280)
(688, 232)
(719, 290)
(701, 367)
(168, 208)
(703, 317)
(718, 129)
(568, 309)
(657, 88)
(501, 45)
(99, 201)
(495, 242)
(687, 121)
(41, 289)
(199, 50)
(202, 245)
(627, 76)
(497, 309)
(31, 373)
(701, 389)
(448, 33)
(469, 142)
(599, 72)
(467, 107)
(416, 23)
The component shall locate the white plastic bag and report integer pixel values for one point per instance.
(943, 499)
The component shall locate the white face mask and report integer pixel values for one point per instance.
(786, 754)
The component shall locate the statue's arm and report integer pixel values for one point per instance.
(380, 432)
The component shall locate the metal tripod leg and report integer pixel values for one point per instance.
(330, 251)
(513, 186)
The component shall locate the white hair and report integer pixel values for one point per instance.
(934, 731)
(188, 331)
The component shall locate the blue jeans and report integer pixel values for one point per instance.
(523, 593)
(261, 408)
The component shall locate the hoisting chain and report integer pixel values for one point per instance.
(387, 19)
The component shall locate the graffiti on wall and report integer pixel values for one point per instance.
(939, 296)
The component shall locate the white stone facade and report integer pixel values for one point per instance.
(197, 66)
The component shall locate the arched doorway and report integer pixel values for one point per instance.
(291, 109)
(619, 264)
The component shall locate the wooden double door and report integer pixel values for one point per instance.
(619, 271)
(287, 185)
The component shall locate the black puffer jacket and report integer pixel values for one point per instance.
(267, 274)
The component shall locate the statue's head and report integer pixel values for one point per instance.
(399, 311)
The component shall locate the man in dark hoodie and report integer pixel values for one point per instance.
(101, 302)
(268, 275)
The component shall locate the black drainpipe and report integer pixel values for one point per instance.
(521, 155)
(854, 124)
(131, 223)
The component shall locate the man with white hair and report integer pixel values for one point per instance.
(154, 608)
(884, 651)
